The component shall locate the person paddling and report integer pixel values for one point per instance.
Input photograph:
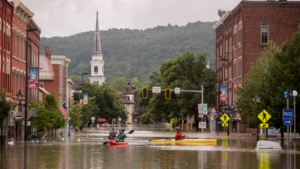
(121, 136)
(179, 135)
(112, 133)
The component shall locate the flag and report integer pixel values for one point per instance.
(63, 110)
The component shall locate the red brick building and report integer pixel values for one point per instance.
(15, 19)
(242, 34)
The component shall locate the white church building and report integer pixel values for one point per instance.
(97, 62)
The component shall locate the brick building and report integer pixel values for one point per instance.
(54, 76)
(15, 19)
(242, 34)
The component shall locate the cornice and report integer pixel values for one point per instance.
(22, 11)
(287, 4)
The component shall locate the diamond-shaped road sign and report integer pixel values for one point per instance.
(225, 118)
(264, 116)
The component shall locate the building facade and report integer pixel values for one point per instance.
(241, 35)
(97, 63)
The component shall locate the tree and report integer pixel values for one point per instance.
(187, 72)
(284, 74)
(137, 83)
(48, 115)
(75, 78)
(75, 115)
(6, 106)
(254, 83)
(108, 102)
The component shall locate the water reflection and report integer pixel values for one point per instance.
(229, 152)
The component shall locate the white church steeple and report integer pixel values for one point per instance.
(97, 63)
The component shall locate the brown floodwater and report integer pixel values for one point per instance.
(228, 153)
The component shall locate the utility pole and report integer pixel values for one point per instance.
(202, 107)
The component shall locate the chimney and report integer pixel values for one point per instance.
(49, 55)
(46, 50)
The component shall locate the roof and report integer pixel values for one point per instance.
(75, 85)
(45, 70)
(60, 59)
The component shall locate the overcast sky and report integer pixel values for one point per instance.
(68, 17)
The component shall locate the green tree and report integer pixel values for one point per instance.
(137, 83)
(6, 106)
(284, 74)
(108, 102)
(188, 72)
(254, 83)
(48, 116)
(75, 115)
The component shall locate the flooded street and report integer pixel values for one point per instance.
(89, 152)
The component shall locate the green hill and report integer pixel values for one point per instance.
(134, 53)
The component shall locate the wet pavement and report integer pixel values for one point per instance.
(89, 152)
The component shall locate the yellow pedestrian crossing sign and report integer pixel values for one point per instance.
(225, 118)
(264, 116)
(225, 124)
(264, 125)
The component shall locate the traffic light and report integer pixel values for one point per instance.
(168, 93)
(145, 93)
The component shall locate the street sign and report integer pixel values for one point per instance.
(227, 111)
(264, 116)
(220, 122)
(93, 119)
(156, 89)
(264, 125)
(205, 108)
(288, 94)
(202, 125)
(225, 118)
(288, 114)
(287, 122)
(70, 122)
(200, 115)
(66, 127)
(225, 124)
(200, 106)
(177, 90)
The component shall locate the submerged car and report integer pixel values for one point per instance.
(260, 145)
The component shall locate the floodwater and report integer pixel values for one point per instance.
(229, 152)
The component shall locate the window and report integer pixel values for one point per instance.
(96, 82)
(264, 33)
(217, 53)
(234, 69)
(240, 67)
(240, 33)
(235, 37)
(221, 50)
(230, 44)
(226, 46)
(234, 95)
(96, 70)
(41, 84)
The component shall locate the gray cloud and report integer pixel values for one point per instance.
(68, 17)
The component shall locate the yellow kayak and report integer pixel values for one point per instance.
(187, 140)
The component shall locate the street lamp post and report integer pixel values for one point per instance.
(257, 99)
(20, 97)
(85, 73)
(295, 93)
(26, 85)
(224, 59)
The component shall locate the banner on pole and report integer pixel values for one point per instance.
(33, 78)
(223, 93)
(85, 98)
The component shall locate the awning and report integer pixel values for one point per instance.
(99, 119)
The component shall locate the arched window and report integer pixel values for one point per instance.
(96, 70)
(264, 29)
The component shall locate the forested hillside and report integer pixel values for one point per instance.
(134, 53)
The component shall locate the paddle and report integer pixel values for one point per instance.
(105, 143)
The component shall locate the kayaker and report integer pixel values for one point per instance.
(121, 136)
(112, 133)
(179, 135)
